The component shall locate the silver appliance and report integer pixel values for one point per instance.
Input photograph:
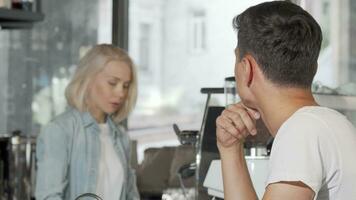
(257, 167)
(17, 167)
(255, 146)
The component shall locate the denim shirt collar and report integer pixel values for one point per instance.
(88, 121)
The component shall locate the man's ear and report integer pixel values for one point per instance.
(247, 71)
(250, 66)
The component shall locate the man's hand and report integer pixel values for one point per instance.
(234, 124)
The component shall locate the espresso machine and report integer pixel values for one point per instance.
(207, 166)
(17, 167)
(257, 148)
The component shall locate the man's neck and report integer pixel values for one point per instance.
(277, 107)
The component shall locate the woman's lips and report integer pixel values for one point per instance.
(115, 105)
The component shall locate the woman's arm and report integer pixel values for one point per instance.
(132, 191)
(52, 163)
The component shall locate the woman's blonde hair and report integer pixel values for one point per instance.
(89, 66)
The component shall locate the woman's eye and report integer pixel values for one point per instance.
(126, 85)
(112, 83)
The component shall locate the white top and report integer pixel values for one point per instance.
(317, 146)
(110, 175)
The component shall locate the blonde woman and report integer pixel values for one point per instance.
(84, 150)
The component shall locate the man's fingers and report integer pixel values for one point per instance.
(235, 123)
(225, 139)
(227, 126)
(253, 113)
(249, 123)
(241, 119)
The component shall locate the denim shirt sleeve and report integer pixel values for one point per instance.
(52, 163)
(131, 190)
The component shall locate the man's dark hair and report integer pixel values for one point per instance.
(284, 39)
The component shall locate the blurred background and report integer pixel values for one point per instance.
(178, 47)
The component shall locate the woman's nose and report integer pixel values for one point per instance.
(120, 91)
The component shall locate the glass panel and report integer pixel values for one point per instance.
(337, 63)
(192, 46)
(36, 64)
(189, 45)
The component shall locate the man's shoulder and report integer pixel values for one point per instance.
(319, 111)
(314, 118)
(315, 126)
(311, 147)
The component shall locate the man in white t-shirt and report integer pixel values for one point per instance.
(313, 155)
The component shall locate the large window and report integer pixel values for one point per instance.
(144, 49)
(191, 46)
(36, 64)
(198, 32)
(336, 62)
(184, 45)
(178, 46)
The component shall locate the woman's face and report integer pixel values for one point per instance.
(109, 89)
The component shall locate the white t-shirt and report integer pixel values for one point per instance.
(317, 146)
(110, 174)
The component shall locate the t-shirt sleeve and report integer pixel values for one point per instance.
(296, 154)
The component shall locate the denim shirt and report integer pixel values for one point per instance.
(68, 151)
